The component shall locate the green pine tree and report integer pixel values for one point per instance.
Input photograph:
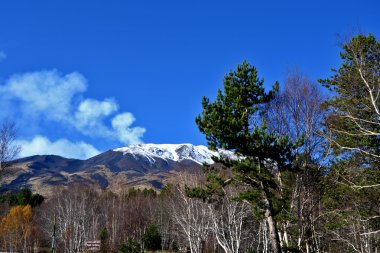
(152, 238)
(234, 122)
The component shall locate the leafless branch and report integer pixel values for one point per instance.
(8, 146)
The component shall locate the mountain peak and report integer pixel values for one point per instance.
(147, 165)
(174, 152)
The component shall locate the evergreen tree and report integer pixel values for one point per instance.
(152, 238)
(103, 240)
(234, 122)
(23, 197)
(131, 246)
(353, 128)
(354, 121)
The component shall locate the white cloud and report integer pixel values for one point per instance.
(90, 110)
(49, 96)
(121, 123)
(46, 93)
(41, 145)
(3, 56)
(90, 114)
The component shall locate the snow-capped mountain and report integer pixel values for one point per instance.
(174, 152)
(138, 165)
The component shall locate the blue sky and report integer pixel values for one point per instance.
(81, 77)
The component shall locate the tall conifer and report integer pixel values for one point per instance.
(234, 122)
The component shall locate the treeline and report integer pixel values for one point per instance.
(135, 221)
(21, 198)
(305, 177)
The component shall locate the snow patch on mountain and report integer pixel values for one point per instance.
(174, 152)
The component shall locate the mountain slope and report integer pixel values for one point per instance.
(139, 165)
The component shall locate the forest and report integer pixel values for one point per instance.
(305, 176)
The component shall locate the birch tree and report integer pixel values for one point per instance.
(77, 218)
(191, 215)
(8, 146)
(354, 121)
(353, 130)
(231, 221)
(297, 111)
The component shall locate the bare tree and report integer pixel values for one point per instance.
(164, 220)
(231, 221)
(8, 146)
(297, 112)
(77, 218)
(190, 214)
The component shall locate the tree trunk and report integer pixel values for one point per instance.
(272, 226)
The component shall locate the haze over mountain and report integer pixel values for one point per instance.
(138, 165)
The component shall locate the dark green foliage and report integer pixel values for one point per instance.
(166, 190)
(353, 115)
(234, 122)
(353, 128)
(149, 192)
(36, 200)
(152, 238)
(353, 123)
(103, 235)
(131, 246)
(103, 240)
(23, 197)
(132, 192)
(9, 198)
(228, 121)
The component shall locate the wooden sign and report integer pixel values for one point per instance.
(92, 245)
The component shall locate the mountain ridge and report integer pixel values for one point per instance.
(136, 165)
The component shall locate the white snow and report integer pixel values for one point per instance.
(174, 152)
